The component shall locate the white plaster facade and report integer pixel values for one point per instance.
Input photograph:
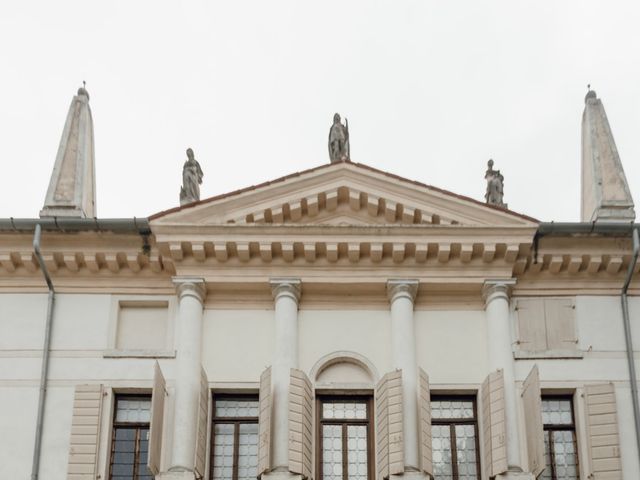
(451, 345)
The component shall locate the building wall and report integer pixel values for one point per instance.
(237, 346)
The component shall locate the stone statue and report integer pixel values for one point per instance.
(495, 184)
(191, 180)
(339, 141)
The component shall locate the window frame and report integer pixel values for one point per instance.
(128, 425)
(367, 399)
(547, 428)
(235, 421)
(452, 422)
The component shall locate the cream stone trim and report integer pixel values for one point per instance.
(402, 288)
(289, 287)
(190, 286)
(140, 301)
(497, 288)
(344, 356)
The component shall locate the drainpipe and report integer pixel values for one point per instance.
(45, 355)
(627, 337)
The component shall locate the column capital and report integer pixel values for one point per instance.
(190, 286)
(290, 287)
(398, 288)
(497, 288)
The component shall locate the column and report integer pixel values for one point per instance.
(496, 296)
(191, 295)
(403, 347)
(286, 295)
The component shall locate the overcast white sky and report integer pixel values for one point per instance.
(432, 90)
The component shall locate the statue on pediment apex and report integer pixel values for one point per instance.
(191, 180)
(339, 141)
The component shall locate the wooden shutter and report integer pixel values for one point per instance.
(532, 336)
(201, 435)
(264, 423)
(85, 433)
(157, 420)
(425, 425)
(532, 403)
(382, 428)
(389, 431)
(602, 431)
(493, 424)
(560, 321)
(300, 424)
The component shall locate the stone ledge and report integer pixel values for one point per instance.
(139, 354)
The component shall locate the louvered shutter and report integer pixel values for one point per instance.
(201, 435)
(532, 404)
(264, 423)
(85, 433)
(382, 428)
(396, 431)
(602, 432)
(389, 431)
(493, 424)
(560, 323)
(300, 426)
(532, 336)
(425, 425)
(157, 420)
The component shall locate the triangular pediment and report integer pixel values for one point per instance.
(341, 194)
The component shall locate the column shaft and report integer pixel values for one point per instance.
(188, 364)
(501, 357)
(286, 293)
(403, 347)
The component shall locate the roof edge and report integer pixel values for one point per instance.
(320, 167)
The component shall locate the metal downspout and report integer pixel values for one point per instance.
(45, 355)
(627, 337)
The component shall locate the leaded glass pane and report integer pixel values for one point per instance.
(451, 409)
(332, 452)
(248, 451)
(236, 408)
(441, 444)
(223, 451)
(546, 474)
(344, 410)
(466, 452)
(556, 412)
(134, 410)
(357, 452)
(123, 456)
(143, 472)
(564, 454)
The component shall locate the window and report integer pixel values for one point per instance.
(560, 450)
(344, 447)
(130, 444)
(454, 430)
(234, 443)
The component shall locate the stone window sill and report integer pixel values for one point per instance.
(548, 354)
(139, 354)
